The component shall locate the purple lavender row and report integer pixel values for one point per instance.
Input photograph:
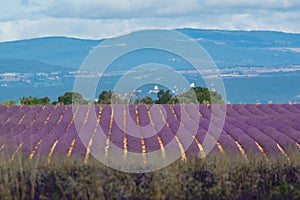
(81, 115)
(247, 143)
(205, 112)
(267, 109)
(283, 140)
(45, 131)
(55, 115)
(269, 146)
(280, 109)
(192, 110)
(3, 109)
(281, 122)
(291, 133)
(170, 115)
(48, 139)
(133, 132)
(42, 117)
(186, 126)
(253, 109)
(151, 140)
(143, 115)
(68, 115)
(81, 133)
(177, 110)
(105, 118)
(297, 106)
(291, 108)
(25, 108)
(132, 112)
(117, 138)
(13, 108)
(232, 112)
(227, 142)
(218, 111)
(15, 124)
(31, 116)
(256, 122)
(65, 141)
(14, 117)
(185, 137)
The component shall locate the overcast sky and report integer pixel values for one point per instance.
(95, 19)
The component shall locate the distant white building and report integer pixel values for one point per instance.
(155, 90)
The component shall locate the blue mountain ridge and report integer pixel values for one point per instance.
(227, 48)
(29, 66)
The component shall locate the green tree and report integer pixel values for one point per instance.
(203, 96)
(194, 95)
(173, 100)
(34, 101)
(26, 101)
(147, 100)
(8, 103)
(44, 101)
(163, 96)
(71, 98)
(105, 97)
(216, 98)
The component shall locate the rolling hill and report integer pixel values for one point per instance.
(227, 48)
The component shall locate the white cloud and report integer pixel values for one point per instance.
(82, 28)
(156, 8)
(100, 18)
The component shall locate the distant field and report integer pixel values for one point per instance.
(254, 65)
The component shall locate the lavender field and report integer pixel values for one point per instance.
(49, 131)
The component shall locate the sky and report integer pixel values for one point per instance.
(96, 19)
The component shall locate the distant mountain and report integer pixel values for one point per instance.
(59, 51)
(227, 48)
(25, 66)
(262, 48)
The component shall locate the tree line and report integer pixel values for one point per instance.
(194, 95)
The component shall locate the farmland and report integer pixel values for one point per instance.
(59, 140)
(263, 130)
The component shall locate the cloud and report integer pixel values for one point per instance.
(103, 9)
(80, 28)
(25, 2)
(20, 19)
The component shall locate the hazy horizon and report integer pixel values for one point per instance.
(130, 31)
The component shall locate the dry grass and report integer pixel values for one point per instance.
(215, 177)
